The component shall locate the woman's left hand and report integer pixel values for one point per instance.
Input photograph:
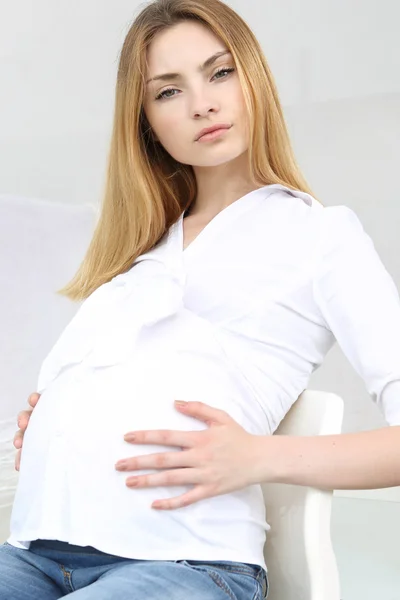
(217, 460)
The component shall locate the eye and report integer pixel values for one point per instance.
(163, 95)
(224, 72)
(220, 74)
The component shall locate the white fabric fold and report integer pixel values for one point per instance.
(105, 330)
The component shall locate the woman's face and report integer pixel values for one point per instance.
(197, 90)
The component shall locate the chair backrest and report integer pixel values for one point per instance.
(299, 553)
(41, 246)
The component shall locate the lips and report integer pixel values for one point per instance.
(211, 129)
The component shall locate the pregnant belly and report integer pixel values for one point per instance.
(88, 411)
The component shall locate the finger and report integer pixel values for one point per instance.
(203, 412)
(18, 437)
(177, 477)
(197, 493)
(33, 399)
(18, 460)
(23, 419)
(181, 439)
(164, 460)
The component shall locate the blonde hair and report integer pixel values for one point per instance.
(146, 189)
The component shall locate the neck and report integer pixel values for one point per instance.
(218, 187)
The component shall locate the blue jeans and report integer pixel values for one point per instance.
(50, 570)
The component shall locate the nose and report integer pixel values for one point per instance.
(203, 112)
(203, 104)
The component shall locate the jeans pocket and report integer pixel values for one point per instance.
(266, 586)
(238, 581)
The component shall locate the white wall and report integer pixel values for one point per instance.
(337, 65)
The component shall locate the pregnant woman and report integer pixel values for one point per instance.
(213, 278)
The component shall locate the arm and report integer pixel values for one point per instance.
(365, 460)
(359, 303)
(225, 457)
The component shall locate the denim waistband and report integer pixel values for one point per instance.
(65, 547)
(254, 571)
(59, 546)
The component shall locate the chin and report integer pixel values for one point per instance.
(216, 157)
(216, 162)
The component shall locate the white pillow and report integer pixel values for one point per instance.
(41, 246)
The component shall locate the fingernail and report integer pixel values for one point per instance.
(121, 465)
(132, 482)
(129, 437)
(181, 403)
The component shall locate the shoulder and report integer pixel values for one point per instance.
(334, 233)
(287, 212)
(341, 232)
(346, 252)
(329, 225)
(331, 218)
(340, 221)
(303, 222)
(290, 202)
(302, 211)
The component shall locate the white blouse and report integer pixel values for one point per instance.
(239, 319)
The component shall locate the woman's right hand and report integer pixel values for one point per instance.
(23, 420)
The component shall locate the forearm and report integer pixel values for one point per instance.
(365, 460)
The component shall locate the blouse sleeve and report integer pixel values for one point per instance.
(360, 304)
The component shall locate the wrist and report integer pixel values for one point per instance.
(269, 459)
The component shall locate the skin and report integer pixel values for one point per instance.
(195, 100)
(224, 457)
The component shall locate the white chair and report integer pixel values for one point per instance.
(299, 553)
(41, 246)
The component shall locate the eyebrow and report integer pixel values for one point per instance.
(203, 67)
